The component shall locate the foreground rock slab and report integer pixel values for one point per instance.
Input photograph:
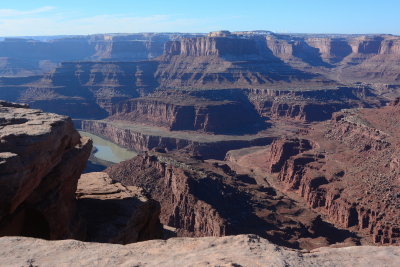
(242, 250)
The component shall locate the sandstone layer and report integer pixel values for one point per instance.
(181, 111)
(242, 250)
(41, 159)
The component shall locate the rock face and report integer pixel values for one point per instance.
(348, 170)
(268, 60)
(209, 199)
(228, 45)
(311, 105)
(242, 250)
(346, 58)
(171, 186)
(41, 159)
(141, 138)
(183, 110)
(228, 61)
(115, 213)
(283, 149)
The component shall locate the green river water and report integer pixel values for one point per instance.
(107, 150)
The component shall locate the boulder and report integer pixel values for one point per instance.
(115, 213)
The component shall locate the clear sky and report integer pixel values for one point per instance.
(58, 17)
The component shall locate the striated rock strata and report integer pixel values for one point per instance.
(336, 67)
(349, 171)
(177, 110)
(168, 182)
(228, 61)
(140, 137)
(311, 105)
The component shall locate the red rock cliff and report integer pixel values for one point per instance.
(171, 183)
(183, 112)
(41, 159)
(230, 45)
(349, 173)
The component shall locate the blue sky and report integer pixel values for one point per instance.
(58, 17)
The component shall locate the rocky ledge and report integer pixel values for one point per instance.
(242, 250)
(185, 112)
(115, 213)
(41, 159)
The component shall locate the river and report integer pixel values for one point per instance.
(108, 151)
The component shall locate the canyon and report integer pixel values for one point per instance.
(21, 56)
(210, 199)
(344, 168)
(265, 145)
(264, 63)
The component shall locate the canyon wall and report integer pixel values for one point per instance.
(229, 45)
(248, 60)
(184, 111)
(290, 56)
(144, 138)
(345, 58)
(168, 182)
(347, 170)
(228, 61)
(311, 105)
(208, 198)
